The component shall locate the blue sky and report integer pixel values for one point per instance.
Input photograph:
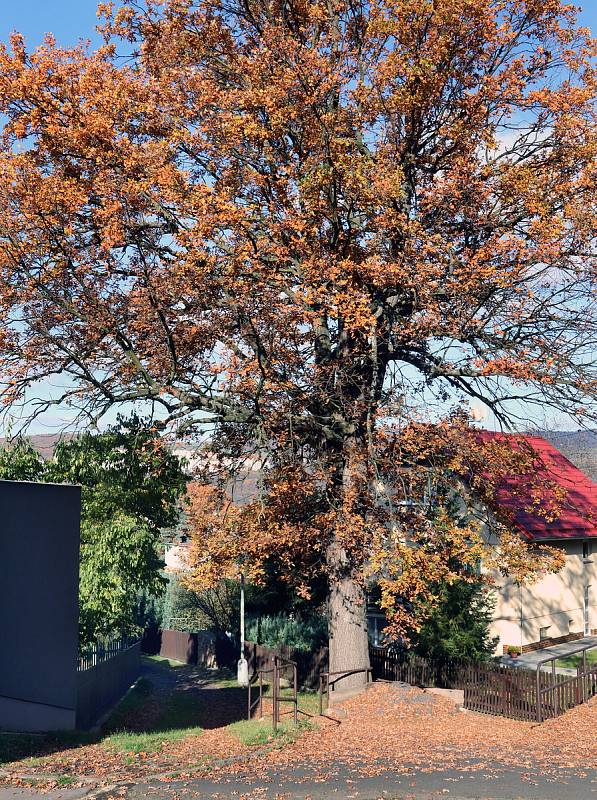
(68, 20)
(71, 20)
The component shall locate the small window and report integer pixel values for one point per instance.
(586, 551)
(544, 633)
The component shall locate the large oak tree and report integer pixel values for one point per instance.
(299, 222)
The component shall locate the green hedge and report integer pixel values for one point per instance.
(304, 632)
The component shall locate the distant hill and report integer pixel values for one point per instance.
(580, 447)
(45, 443)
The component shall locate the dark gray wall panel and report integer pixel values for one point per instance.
(17, 715)
(39, 577)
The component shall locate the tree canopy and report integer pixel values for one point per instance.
(310, 226)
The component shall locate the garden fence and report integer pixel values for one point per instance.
(104, 651)
(448, 673)
(493, 688)
(104, 675)
(203, 648)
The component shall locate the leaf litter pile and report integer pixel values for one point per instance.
(397, 728)
(390, 728)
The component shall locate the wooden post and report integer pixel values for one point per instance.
(260, 694)
(320, 695)
(504, 690)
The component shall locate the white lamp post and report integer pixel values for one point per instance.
(242, 671)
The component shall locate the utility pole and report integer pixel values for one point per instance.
(242, 671)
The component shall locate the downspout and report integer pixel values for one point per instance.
(521, 614)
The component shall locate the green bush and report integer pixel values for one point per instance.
(458, 626)
(305, 632)
(149, 612)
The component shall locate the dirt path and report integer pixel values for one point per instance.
(215, 704)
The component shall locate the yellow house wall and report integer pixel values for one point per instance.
(554, 601)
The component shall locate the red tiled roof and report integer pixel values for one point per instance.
(577, 518)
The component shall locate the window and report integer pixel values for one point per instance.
(586, 551)
(376, 623)
(544, 633)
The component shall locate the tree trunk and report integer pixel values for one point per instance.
(347, 613)
(349, 646)
(347, 603)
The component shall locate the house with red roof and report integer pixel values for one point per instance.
(558, 607)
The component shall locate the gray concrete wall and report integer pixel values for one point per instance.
(39, 579)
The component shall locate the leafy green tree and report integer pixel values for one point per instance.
(126, 470)
(20, 461)
(119, 558)
(458, 625)
(130, 489)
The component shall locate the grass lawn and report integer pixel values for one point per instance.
(165, 662)
(572, 662)
(260, 731)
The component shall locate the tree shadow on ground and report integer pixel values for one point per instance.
(21, 746)
(176, 697)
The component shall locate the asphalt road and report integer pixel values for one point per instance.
(488, 783)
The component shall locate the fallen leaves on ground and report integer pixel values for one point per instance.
(397, 729)
(389, 728)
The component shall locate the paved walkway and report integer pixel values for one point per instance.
(16, 793)
(530, 660)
